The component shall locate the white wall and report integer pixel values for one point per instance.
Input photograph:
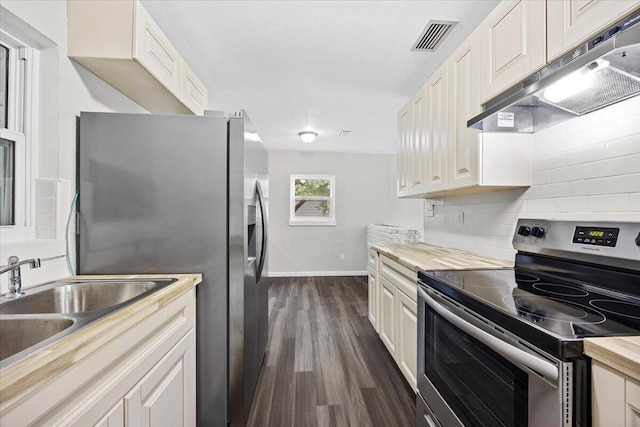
(365, 194)
(66, 88)
(585, 169)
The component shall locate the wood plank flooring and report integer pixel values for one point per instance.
(325, 364)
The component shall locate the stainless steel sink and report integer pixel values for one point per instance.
(79, 297)
(19, 334)
(49, 312)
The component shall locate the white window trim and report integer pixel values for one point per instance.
(314, 221)
(22, 128)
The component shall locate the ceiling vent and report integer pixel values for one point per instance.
(344, 133)
(433, 35)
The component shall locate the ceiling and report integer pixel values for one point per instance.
(321, 65)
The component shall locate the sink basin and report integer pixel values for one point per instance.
(20, 334)
(78, 297)
(49, 312)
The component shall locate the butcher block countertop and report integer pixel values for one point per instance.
(422, 256)
(619, 353)
(71, 349)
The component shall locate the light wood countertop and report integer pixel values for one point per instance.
(620, 353)
(422, 256)
(71, 349)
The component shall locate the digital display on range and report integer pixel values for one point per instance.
(596, 236)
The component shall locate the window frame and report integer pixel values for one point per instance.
(22, 130)
(311, 220)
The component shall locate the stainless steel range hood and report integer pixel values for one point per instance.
(598, 73)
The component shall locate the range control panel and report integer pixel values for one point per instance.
(603, 242)
(596, 236)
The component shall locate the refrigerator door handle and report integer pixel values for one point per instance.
(263, 219)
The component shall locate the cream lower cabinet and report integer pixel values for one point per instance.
(143, 377)
(407, 337)
(387, 317)
(570, 22)
(373, 288)
(398, 315)
(615, 398)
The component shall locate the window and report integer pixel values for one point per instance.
(312, 200)
(15, 89)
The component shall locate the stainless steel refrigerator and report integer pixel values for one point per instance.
(185, 194)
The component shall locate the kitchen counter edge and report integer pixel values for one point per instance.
(619, 353)
(422, 256)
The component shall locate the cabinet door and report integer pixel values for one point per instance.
(194, 93)
(464, 103)
(570, 22)
(512, 45)
(373, 299)
(166, 395)
(437, 125)
(407, 338)
(404, 148)
(115, 417)
(633, 403)
(607, 397)
(387, 314)
(154, 51)
(418, 153)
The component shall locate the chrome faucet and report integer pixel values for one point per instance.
(15, 280)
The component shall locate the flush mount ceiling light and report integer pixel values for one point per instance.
(308, 136)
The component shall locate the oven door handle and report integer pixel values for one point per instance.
(503, 348)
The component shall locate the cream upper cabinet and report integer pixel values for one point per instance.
(418, 148)
(464, 103)
(512, 45)
(404, 144)
(119, 42)
(570, 22)
(437, 131)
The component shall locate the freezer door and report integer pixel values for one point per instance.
(153, 199)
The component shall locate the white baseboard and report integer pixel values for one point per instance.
(316, 273)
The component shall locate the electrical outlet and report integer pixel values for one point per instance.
(428, 210)
(460, 217)
(341, 257)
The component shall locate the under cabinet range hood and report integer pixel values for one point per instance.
(598, 73)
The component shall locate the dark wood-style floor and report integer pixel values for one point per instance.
(325, 364)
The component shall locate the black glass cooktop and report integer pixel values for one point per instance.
(547, 311)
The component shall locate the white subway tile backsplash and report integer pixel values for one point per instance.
(623, 147)
(587, 187)
(585, 169)
(632, 164)
(603, 168)
(570, 173)
(555, 190)
(587, 154)
(623, 183)
(553, 161)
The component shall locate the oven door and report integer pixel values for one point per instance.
(472, 374)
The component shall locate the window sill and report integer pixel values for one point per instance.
(330, 223)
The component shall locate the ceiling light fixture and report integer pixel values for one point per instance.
(308, 136)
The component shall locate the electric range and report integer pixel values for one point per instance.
(494, 344)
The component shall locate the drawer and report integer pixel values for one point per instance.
(372, 259)
(405, 279)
